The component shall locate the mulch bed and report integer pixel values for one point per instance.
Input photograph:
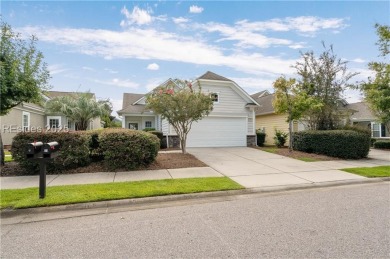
(163, 161)
(299, 154)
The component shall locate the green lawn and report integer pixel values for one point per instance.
(272, 150)
(60, 195)
(378, 171)
(8, 156)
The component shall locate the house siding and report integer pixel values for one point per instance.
(14, 119)
(270, 123)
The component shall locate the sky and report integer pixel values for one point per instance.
(113, 47)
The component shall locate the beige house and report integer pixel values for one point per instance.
(363, 116)
(267, 120)
(32, 117)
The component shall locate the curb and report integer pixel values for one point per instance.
(7, 213)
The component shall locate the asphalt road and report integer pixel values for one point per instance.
(337, 222)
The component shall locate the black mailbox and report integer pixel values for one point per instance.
(50, 149)
(33, 150)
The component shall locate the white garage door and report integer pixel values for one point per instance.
(218, 132)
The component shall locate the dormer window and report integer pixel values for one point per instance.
(214, 97)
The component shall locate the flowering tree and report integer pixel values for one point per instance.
(180, 105)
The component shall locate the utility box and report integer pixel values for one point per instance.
(34, 150)
(49, 150)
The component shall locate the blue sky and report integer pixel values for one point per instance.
(111, 47)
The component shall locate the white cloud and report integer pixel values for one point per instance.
(154, 82)
(118, 82)
(116, 104)
(153, 66)
(146, 44)
(359, 60)
(196, 9)
(56, 69)
(88, 68)
(137, 16)
(180, 20)
(111, 71)
(307, 25)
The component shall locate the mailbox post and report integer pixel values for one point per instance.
(43, 153)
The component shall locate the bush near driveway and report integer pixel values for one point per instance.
(73, 152)
(128, 149)
(347, 144)
(382, 144)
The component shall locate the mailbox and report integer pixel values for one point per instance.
(33, 150)
(50, 149)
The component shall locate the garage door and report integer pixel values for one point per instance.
(218, 132)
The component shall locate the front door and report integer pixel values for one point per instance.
(133, 125)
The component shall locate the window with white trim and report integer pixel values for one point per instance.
(148, 124)
(376, 133)
(214, 97)
(26, 121)
(53, 122)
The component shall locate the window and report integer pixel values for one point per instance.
(26, 121)
(53, 122)
(214, 97)
(133, 125)
(375, 130)
(69, 124)
(148, 124)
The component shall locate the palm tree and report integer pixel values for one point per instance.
(80, 108)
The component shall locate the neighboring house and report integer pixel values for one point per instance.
(267, 120)
(231, 123)
(32, 117)
(363, 116)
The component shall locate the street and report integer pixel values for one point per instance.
(336, 222)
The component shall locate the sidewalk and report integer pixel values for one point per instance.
(20, 182)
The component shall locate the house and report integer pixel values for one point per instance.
(363, 116)
(266, 118)
(32, 117)
(231, 123)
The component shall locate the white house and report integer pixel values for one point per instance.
(231, 123)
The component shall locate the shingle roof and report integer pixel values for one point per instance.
(265, 103)
(128, 100)
(259, 94)
(363, 112)
(213, 76)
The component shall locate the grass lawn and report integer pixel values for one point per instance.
(8, 156)
(60, 195)
(378, 171)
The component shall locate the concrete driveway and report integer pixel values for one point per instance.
(255, 168)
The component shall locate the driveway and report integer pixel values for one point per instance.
(255, 168)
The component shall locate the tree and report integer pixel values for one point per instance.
(377, 90)
(180, 105)
(290, 99)
(80, 108)
(23, 73)
(324, 78)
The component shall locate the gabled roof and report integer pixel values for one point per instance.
(128, 100)
(265, 103)
(362, 111)
(213, 76)
(259, 94)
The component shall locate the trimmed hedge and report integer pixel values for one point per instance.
(128, 149)
(160, 135)
(348, 144)
(74, 150)
(382, 144)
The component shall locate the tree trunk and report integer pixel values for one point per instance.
(183, 144)
(290, 136)
(2, 151)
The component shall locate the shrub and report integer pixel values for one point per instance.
(382, 144)
(160, 135)
(128, 149)
(280, 138)
(260, 138)
(149, 129)
(349, 144)
(373, 140)
(73, 152)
